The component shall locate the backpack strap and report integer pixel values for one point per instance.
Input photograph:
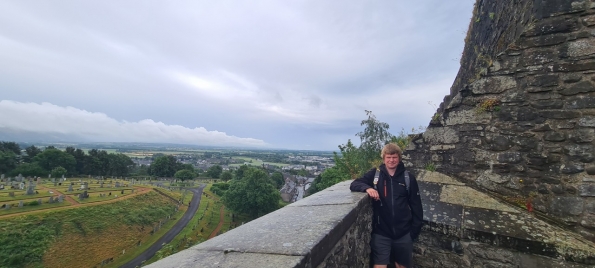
(376, 177)
(407, 181)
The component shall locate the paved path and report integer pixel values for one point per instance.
(169, 236)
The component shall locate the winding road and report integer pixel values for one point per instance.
(169, 236)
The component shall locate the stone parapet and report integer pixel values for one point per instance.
(463, 228)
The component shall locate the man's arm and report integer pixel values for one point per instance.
(416, 208)
(365, 184)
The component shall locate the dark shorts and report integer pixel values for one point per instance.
(401, 249)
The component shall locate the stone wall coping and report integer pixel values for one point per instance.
(301, 234)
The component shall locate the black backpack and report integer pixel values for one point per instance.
(407, 180)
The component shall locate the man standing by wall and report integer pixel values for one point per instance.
(398, 213)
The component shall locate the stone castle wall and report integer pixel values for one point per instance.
(519, 122)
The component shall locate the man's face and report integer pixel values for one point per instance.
(391, 160)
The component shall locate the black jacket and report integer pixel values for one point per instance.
(396, 213)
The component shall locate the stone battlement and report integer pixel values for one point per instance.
(463, 228)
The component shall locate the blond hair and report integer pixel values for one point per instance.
(391, 148)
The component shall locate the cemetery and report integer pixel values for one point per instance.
(81, 215)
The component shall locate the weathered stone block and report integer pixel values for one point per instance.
(559, 114)
(586, 189)
(572, 67)
(554, 136)
(590, 170)
(571, 78)
(580, 87)
(441, 147)
(547, 80)
(581, 47)
(510, 157)
(498, 143)
(566, 206)
(546, 40)
(580, 102)
(538, 56)
(588, 221)
(541, 128)
(588, 20)
(467, 117)
(572, 168)
(547, 104)
(556, 7)
(584, 153)
(444, 135)
(588, 121)
(491, 85)
(582, 135)
(552, 25)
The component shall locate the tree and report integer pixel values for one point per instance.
(226, 176)
(355, 161)
(52, 158)
(164, 166)
(29, 169)
(10, 146)
(277, 179)
(240, 172)
(188, 167)
(185, 174)
(31, 151)
(214, 171)
(58, 172)
(373, 138)
(253, 195)
(328, 178)
(8, 161)
(119, 164)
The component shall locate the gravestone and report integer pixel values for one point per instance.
(55, 184)
(51, 200)
(122, 192)
(7, 207)
(38, 180)
(60, 198)
(21, 186)
(70, 188)
(117, 184)
(85, 194)
(31, 189)
(39, 201)
(1, 186)
(2, 176)
(64, 179)
(20, 178)
(84, 185)
(21, 204)
(49, 175)
(101, 186)
(80, 196)
(53, 179)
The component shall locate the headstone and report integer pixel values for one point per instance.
(117, 184)
(60, 198)
(101, 186)
(39, 201)
(21, 204)
(53, 179)
(84, 185)
(2, 176)
(1, 186)
(38, 180)
(80, 196)
(21, 186)
(70, 187)
(51, 201)
(7, 206)
(49, 175)
(85, 194)
(20, 178)
(31, 189)
(122, 192)
(55, 184)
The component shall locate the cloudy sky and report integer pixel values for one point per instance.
(266, 74)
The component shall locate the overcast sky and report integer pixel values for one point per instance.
(266, 74)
